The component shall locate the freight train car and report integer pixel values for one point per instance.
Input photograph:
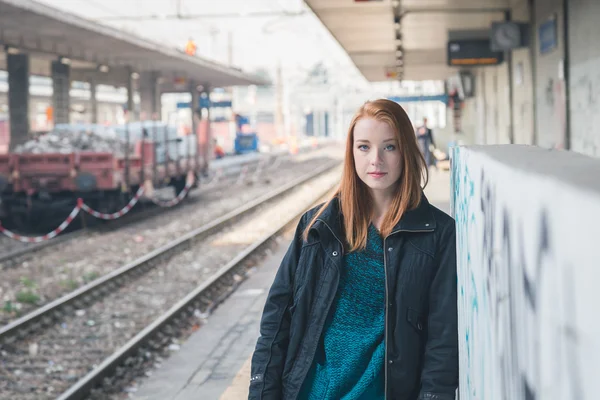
(103, 166)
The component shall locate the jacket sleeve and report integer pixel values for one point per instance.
(271, 348)
(439, 377)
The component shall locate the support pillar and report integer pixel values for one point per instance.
(196, 115)
(18, 97)
(61, 85)
(93, 102)
(195, 107)
(130, 93)
(150, 96)
(204, 135)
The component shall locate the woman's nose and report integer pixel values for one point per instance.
(376, 159)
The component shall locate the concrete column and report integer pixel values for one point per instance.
(549, 72)
(18, 97)
(196, 115)
(195, 106)
(130, 93)
(205, 113)
(150, 95)
(93, 102)
(61, 84)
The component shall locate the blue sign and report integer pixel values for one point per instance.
(204, 103)
(547, 35)
(413, 99)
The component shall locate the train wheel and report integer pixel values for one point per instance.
(179, 185)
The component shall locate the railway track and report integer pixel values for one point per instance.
(13, 253)
(133, 309)
(58, 270)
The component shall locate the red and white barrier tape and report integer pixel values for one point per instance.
(48, 236)
(117, 214)
(82, 206)
(176, 200)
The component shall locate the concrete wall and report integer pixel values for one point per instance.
(522, 82)
(528, 223)
(550, 86)
(584, 75)
(486, 117)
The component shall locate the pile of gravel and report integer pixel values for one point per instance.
(73, 140)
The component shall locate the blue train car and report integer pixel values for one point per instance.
(245, 141)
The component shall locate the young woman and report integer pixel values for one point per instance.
(363, 305)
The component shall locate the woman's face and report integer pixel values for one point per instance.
(376, 155)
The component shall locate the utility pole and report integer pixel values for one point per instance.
(230, 48)
(178, 6)
(279, 100)
(213, 41)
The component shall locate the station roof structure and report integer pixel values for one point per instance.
(47, 33)
(367, 31)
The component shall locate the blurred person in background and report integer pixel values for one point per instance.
(426, 143)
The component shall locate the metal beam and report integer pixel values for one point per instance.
(115, 77)
(462, 10)
(183, 17)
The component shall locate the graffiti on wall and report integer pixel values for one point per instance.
(583, 108)
(556, 101)
(516, 301)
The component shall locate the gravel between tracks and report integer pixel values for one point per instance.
(59, 269)
(48, 363)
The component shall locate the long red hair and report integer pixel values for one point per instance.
(353, 194)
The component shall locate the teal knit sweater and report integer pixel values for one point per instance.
(349, 361)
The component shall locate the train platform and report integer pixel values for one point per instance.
(214, 363)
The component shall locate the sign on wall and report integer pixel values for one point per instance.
(547, 35)
(472, 52)
(391, 73)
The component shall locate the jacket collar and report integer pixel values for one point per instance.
(419, 219)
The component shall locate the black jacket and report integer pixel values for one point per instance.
(421, 359)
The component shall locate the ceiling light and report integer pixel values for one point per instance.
(135, 75)
(65, 60)
(103, 68)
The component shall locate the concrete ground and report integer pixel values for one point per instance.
(214, 364)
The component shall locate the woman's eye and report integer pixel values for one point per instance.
(390, 147)
(363, 147)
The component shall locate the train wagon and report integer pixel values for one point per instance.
(37, 189)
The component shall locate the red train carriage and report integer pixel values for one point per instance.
(37, 190)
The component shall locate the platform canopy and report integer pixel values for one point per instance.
(367, 31)
(47, 33)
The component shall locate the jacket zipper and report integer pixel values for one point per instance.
(385, 334)
(387, 302)
(386, 293)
